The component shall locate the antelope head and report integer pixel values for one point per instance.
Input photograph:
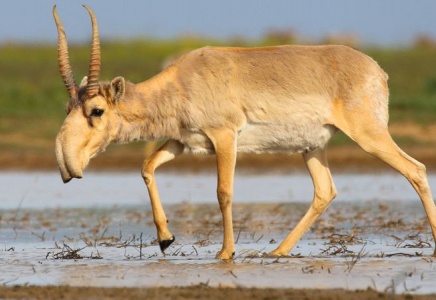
(92, 115)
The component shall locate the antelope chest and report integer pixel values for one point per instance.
(266, 138)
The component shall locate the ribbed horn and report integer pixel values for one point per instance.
(94, 63)
(63, 57)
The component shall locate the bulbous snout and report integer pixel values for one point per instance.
(68, 158)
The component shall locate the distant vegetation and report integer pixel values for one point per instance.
(32, 96)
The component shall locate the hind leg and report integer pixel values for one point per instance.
(378, 142)
(325, 192)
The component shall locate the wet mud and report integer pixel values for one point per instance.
(194, 292)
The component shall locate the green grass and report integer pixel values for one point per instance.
(32, 96)
(412, 83)
(340, 139)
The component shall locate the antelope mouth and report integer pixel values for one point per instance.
(69, 170)
(68, 177)
(66, 180)
(67, 174)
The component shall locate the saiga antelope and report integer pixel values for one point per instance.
(228, 100)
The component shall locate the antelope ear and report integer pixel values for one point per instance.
(118, 87)
(84, 81)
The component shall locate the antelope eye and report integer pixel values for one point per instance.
(97, 112)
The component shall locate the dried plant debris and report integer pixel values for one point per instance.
(413, 241)
(203, 243)
(344, 239)
(338, 244)
(133, 241)
(69, 253)
(416, 254)
(356, 258)
(338, 249)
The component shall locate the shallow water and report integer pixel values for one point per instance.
(46, 190)
(375, 234)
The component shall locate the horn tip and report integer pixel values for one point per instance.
(88, 9)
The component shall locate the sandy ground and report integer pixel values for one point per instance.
(197, 292)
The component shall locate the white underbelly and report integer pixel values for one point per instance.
(267, 138)
(290, 138)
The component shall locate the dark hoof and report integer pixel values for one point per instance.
(166, 243)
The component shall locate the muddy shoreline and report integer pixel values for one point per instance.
(341, 159)
(194, 292)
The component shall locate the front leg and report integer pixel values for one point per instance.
(167, 152)
(224, 141)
